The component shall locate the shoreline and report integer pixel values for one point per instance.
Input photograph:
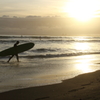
(82, 87)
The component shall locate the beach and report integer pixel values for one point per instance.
(32, 72)
(50, 52)
(56, 68)
(82, 87)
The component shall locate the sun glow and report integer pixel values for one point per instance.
(84, 64)
(82, 46)
(82, 10)
(84, 67)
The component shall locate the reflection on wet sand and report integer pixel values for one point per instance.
(84, 63)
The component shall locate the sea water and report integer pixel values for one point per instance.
(52, 60)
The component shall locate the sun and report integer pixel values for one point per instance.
(82, 10)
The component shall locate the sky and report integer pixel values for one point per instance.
(49, 7)
(79, 17)
(31, 7)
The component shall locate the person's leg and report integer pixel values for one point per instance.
(17, 57)
(10, 58)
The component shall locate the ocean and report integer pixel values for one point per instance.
(52, 60)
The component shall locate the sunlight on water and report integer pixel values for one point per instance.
(82, 46)
(84, 64)
(52, 60)
(84, 67)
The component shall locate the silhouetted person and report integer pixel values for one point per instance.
(16, 54)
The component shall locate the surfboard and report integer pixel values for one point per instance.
(19, 49)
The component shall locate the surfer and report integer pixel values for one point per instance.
(16, 54)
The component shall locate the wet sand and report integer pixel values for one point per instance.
(82, 87)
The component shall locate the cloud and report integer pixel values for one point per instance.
(48, 26)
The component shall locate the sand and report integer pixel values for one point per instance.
(82, 87)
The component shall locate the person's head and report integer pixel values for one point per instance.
(17, 42)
